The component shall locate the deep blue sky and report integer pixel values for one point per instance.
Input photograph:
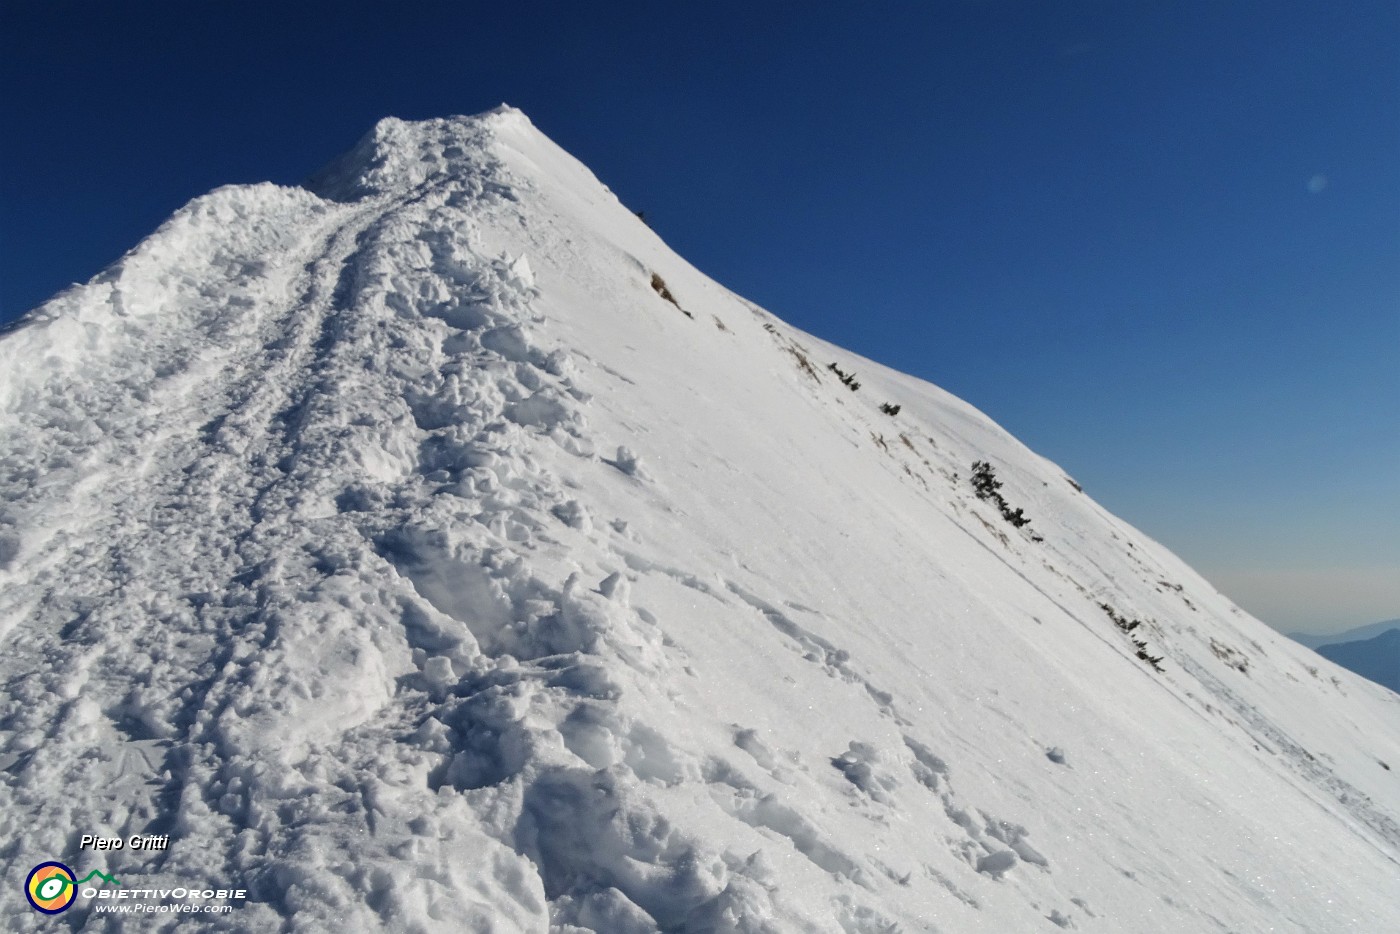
(1159, 241)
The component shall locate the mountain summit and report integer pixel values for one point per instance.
(432, 549)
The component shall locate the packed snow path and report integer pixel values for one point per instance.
(433, 549)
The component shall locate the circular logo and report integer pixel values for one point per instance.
(50, 887)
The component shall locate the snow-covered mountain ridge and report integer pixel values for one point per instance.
(434, 549)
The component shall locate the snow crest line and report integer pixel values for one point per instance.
(399, 551)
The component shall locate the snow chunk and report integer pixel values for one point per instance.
(629, 463)
(858, 765)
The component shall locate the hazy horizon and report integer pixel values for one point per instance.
(1266, 595)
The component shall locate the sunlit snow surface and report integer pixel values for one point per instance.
(399, 549)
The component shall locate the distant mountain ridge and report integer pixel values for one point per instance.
(1377, 658)
(1371, 651)
(1370, 630)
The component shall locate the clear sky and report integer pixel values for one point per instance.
(1158, 241)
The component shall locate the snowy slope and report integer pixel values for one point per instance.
(402, 552)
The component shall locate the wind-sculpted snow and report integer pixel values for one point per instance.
(416, 563)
